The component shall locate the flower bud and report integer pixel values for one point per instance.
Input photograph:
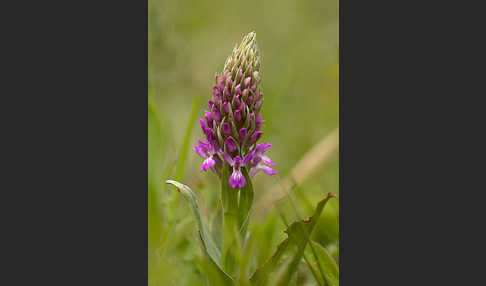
(238, 89)
(230, 145)
(247, 82)
(209, 118)
(226, 128)
(225, 108)
(255, 137)
(242, 134)
(237, 115)
(216, 114)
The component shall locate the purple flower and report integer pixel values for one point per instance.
(259, 158)
(207, 151)
(260, 150)
(237, 180)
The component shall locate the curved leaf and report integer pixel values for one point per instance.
(208, 244)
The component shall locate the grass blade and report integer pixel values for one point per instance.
(181, 162)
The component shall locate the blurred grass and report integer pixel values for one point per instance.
(188, 43)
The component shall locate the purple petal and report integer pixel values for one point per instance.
(227, 157)
(248, 158)
(208, 163)
(263, 147)
(267, 161)
(267, 170)
(201, 122)
(237, 180)
(200, 151)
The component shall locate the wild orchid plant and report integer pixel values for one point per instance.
(232, 127)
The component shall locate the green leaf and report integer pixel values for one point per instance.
(291, 248)
(325, 264)
(208, 244)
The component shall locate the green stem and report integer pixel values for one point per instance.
(230, 206)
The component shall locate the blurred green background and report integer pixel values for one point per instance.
(188, 43)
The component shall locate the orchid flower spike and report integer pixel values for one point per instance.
(234, 121)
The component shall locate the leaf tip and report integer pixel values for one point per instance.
(176, 184)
